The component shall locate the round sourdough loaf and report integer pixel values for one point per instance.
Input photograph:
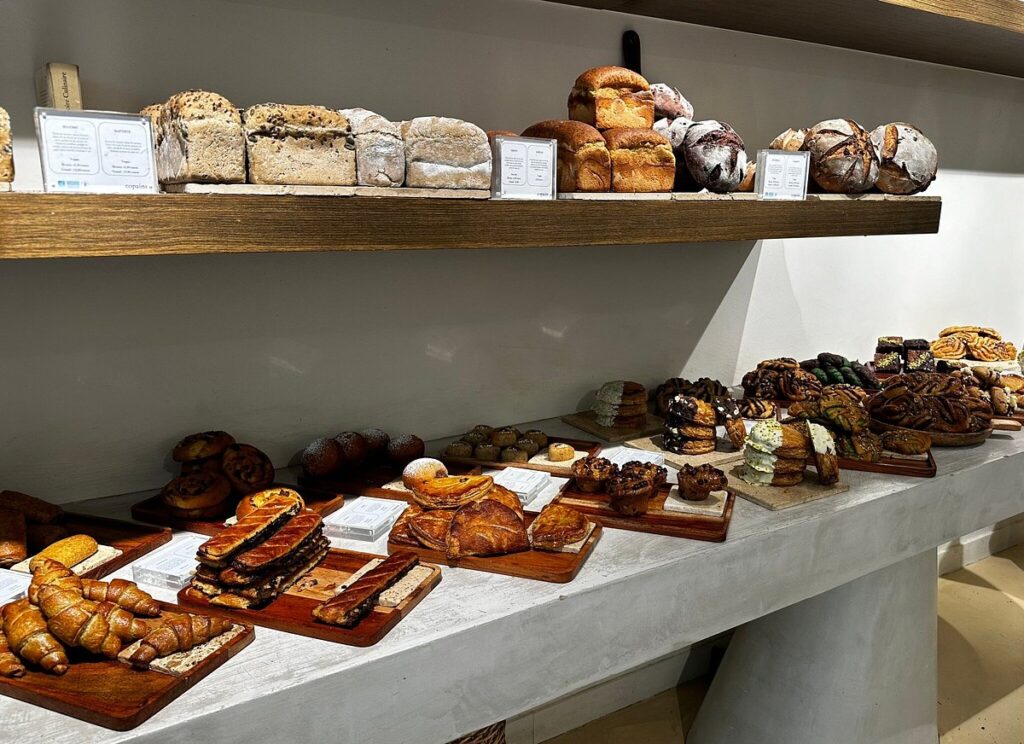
(790, 140)
(670, 103)
(909, 160)
(715, 156)
(843, 160)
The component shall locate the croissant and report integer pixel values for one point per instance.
(28, 636)
(76, 621)
(179, 632)
(10, 665)
(124, 624)
(49, 571)
(125, 594)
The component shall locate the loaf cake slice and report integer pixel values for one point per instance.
(380, 153)
(6, 149)
(444, 153)
(200, 140)
(307, 145)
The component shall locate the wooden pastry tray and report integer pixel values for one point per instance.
(656, 521)
(292, 612)
(541, 565)
(939, 439)
(580, 445)
(587, 421)
(372, 484)
(111, 694)
(154, 511)
(133, 540)
(717, 458)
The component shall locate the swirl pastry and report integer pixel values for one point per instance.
(986, 349)
(685, 409)
(977, 330)
(201, 446)
(756, 408)
(630, 494)
(798, 384)
(949, 414)
(907, 442)
(653, 474)
(247, 468)
(949, 347)
(591, 473)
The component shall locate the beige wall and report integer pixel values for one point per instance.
(106, 362)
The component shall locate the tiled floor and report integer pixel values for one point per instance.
(981, 668)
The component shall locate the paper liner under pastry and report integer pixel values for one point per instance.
(103, 554)
(183, 662)
(541, 458)
(712, 506)
(575, 547)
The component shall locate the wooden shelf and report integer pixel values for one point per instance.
(61, 226)
(975, 34)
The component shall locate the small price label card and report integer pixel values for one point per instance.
(96, 152)
(782, 175)
(172, 566)
(365, 518)
(627, 454)
(13, 585)
(524, 168)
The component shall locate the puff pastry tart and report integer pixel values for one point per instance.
(451, 492)
(558, 526)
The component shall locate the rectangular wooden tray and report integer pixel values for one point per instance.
(133, 540)
(111, 694)
(656, 521)
(892, 465)
(580, 445)
(587, 421)
(372, 483)
(154, 511)
(541, 565)
(292, 612)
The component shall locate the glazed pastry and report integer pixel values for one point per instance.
(906, 442)
(201, 446)
(451, 492)
(697, 483)
(529, 446)
(503, 496)
(247, 468)
(254, 501)
(30, 639)
(201, 494)
(691, 410)
(248, 530)
(459, 449)
(825, 459)
(590, 473)
(949, 347)
(755, 408)
(405, 448)
(487, 452)
(514, 454)
(537, 436)
(425, 468)
(321, 457)
(349, 606)
(401, 533)
(560, 452)
(558, 526)
(376, 443)
(10, 665)
(76, 622)
(486, 527)
(630, 494)
(431, 528)
(503, 437)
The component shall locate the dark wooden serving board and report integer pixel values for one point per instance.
(580, 445)
(587, 421)
(542, 565)
(891, 465)
(1006, 423)
(292, 612)
(656, 521)
(154, 511)
(133, 540)
(939, 438)
(374, 486)
(111, 694)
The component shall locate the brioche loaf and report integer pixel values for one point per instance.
(642, 160)
(843, 160)
(6, 149)
(583, 160)
(308, 145)
(610, 97)
(444, 153)
(380, 154)
(715, 157)
(908, 159)
(200, 140)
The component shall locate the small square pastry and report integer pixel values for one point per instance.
(920, 360)
(444, 153)
(609, 97)
(642, 160)
(583, 160)
(200, 140)
(888, 361)
(889, 343)
(306, 145)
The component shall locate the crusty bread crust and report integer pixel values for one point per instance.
(642, 160)
(279, 120)
(610, 76)
(583, 160)
(571, 134)
(6, 149)
(631, 138)
(200, 104)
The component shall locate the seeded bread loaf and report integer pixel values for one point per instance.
(444, 153)
(610, 97)
(380, 153)
(307, 145)
(200, 140)
(6, 149)
(642, 160)
(583, 160)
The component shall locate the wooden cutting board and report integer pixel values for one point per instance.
(111, 694)
(587, 421)
(775, 498)
(133, 540)
(292, 612)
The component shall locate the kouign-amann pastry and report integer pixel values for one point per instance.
(444, 153)
(200, 139)
(307, 145)
(487, 452)
(609, 97)
(529, 446)
(670, 103)
(503, 437)
(791, 140)
(537, 436)
(642, 160)
(6, 148)
(476, 438)
(591, 473)
(584, 163)
(909, 160)
(380, 152)
(715, 157)
(843, 160)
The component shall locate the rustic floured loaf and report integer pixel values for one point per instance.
(843, 160)
(443, 153)
(200, 140)
(674, 130)
(611, 97)
(380, 153)
(642, 160)
(715, 156)
(6, 149)
(908, 159)
(583, 160)
(307, 145)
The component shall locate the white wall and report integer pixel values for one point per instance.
(106, 362)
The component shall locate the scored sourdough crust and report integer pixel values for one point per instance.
(306, 145)
(908, 159)
(200, 140)
(642, 160)
(608, 97)
(444, 153)
(380, 152)
(584, 163)
(715, 156)
(843, 159)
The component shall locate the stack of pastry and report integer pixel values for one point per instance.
(29, 525)
(621, 403)
(781, 379)
(629, 488)
(65, 611)
(690, 426)
(252, 562)
(470, 515)
(931, 401)
(216, 471)
(973, 342)
(1005, 392)
(775, 454)
(705, 389)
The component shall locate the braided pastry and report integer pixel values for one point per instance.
(707, 389)
(753, 408)
(926, 383)
(843, 415)
(980, 414)
(798, 384)
(985, 349)
(949, 414)
(1009, 352)
(905, 409)
(669, 389)
(907, 442)
(865, 446)
(949, 347)
(851, 393)
(975, 330)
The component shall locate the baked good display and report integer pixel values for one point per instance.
(704, 388)
(792, 140)
(584, 163)
(835, 369)
(354, 602)
(380, 151)
(254, 501)
(289, 144)
(351, 453)
(670, 103)
(715, 156)
(591, 473)
(216, 471)
(629, 493)
(560, 452)
(508, 445)
(697, 483)
(421, 469)
(621, 403)
(6, 148)
(823, 446)
(690, 426)
(450, 492)
(908, 159)
(756, 408)
(558, 526)
(775, 454)
(247, 468)
(1002, 391)
(843, 159)
(199, 139)
(445, 153)
(844, 416)
(609, 97)
(931, 401)
(202, 446)
(642, 160)
(973, 343)
(781, 379)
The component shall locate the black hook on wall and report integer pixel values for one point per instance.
(631, 51)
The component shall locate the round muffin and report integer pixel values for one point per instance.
(476, 437)
(487, 452)
(354, 449)
(202, 494)
(514, 454)
(560, 452)
(630, 494)
(504, 437)
(483, 429)
(653, 474)
(201, 446)
(254, 501)
(697, 483)
(537, 436)
(459, 449)
(405, 448)
(591, 473)
(527, 444)
(376, 443)
(247, 468)
(321, 457)
(422, 469)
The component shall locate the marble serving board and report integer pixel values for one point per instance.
(777, 498)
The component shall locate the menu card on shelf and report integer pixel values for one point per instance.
(782, 175)
(524, 168)
(365, 518)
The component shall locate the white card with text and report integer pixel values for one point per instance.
(782, 175)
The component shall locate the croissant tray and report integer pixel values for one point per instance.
(111, 694)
